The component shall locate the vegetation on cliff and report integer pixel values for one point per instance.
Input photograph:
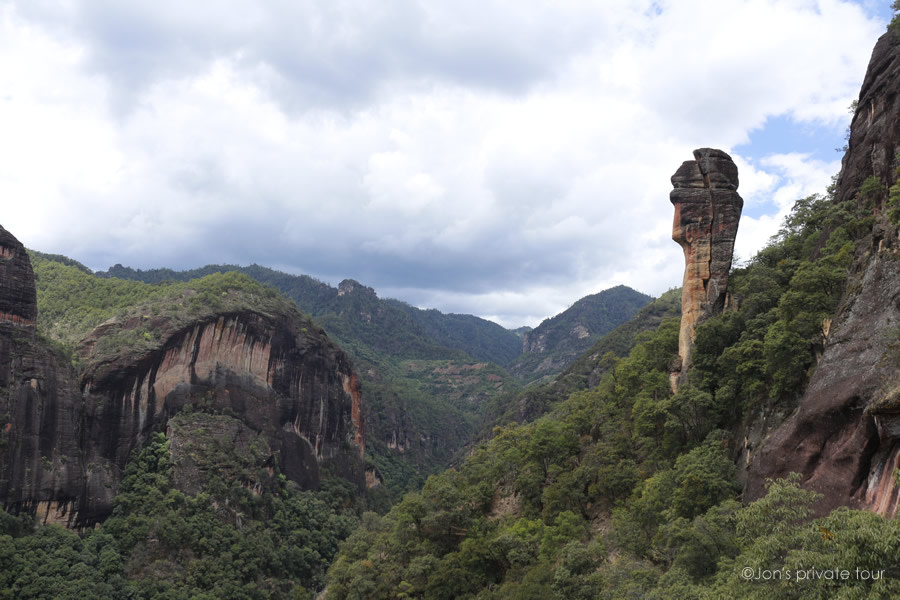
(387, 326)
(430, 379)
(629, 490)
(72, 302)
(588, 369)
(412, 430)
(615, 487)
(227, 541)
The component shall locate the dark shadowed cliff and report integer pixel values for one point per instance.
(224, 345)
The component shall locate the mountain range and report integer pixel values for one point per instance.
(237, 432)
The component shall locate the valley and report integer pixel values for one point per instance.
(241, 432)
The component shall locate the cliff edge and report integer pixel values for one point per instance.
(234, 349)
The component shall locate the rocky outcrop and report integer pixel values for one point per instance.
(350, 286)
(41, 470)
(843, 438)
(67, 436)
(707, 211)
(18, 300)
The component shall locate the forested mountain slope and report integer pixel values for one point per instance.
(628, 490)
(249, 490)
(401, 330)
(429, 377)
(558, 341)
(844, 437)
(588, 369)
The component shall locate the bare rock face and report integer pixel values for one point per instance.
(875, 129)
(707, 211)
(18, 300)
(844, 437)
(292, 386)
(40, 418)
(65, 437)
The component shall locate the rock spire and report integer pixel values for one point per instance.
(707, 211)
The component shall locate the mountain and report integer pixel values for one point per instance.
(730, 453)
(748, 449)
(587, 371)
(843, 437)
(481, 339)
(137, 356)
(203, 423)
(402, 329)
(521, 331)
(425, 392)
(558, 341)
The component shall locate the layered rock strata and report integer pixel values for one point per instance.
(707, 211)
(66, 436)
(844, 436)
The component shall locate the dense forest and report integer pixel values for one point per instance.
(615, 487)
(168, 538)
(573, 461)
(628, 490)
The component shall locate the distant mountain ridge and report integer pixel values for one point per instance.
(479, 338)
(558, 341)
(587, 370)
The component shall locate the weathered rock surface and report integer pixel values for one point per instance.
(205, 446)
(18, 300)
(40, 438)
(707, 211)
(65, 438)
(842, 449)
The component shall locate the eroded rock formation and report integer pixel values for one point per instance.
(843, 437)
(65, 437)
(18, 301)
(707, 211)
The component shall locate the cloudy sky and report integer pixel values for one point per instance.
(496, 157)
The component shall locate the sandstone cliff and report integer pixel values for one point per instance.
(842, 437)
(707, 211)
(67, 436)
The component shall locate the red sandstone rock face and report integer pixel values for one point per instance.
(707, 211)
(840, 448)
(67, 438)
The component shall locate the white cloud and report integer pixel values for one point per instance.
(499, 158)
(784, 179)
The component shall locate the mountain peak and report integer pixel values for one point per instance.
(350, 286)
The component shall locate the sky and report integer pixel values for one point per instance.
(493, 157)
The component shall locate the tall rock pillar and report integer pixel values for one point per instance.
(707, 211)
